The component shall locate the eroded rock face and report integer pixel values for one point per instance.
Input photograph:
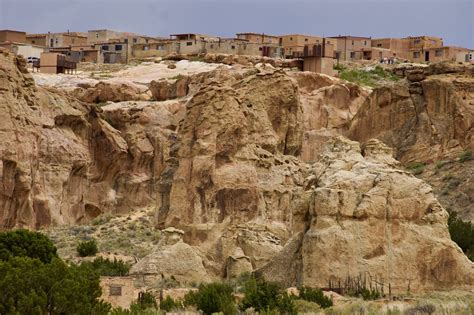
(248, 166)
(427, 120)
(66, 162)
(111, 92)
(171, 258)
(368, 218)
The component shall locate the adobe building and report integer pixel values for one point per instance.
(51, 62)
(79, 53)
(259, 38)
(12, 36)
(350, 47)
(23, 49)
(161, 48)
(16, 42)
(52, 40)
(293, 44)
(118, 291)
(438, 54)
(113, 52)
(319, 58)
(399, 46)
(105, 35)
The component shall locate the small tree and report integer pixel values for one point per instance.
(267, 297)
(169, 304)
(24, 243)
(315, 295)
(87, 248)
(212, 298)
(107, 267)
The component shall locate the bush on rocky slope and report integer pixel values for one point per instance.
(462, 232)
(36, 281)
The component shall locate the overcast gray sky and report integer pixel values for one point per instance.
(451, 19)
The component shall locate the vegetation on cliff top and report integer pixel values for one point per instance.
(367, 77)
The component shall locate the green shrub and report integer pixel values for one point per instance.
(370, 78)
(466, 156)
(266, 296)
(212, 298)
(87, 248)
(416, 168)
(306, 307)
(29, 286)
(315, 295)
(169, 304)
(107, 267)
(462, 233)
(24, 243)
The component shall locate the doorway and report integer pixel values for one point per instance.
(427, 56)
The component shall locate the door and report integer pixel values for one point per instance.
(427, 56)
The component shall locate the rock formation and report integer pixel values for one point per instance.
(430, 118)
(248, 165)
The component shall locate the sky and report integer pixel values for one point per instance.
(453, 20)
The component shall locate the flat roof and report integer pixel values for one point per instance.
(300, 35)
(12, 31)
(259, 34)
(350, 37)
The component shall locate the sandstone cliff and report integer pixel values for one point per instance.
(247, 162)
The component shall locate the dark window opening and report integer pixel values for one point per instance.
(115, 291)
(189, 43)
(118, 47)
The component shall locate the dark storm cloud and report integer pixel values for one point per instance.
(450, 19)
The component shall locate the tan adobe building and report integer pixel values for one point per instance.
(79, 53)
(423, 42)
(195, 44)
(118, 291)
(12, 36)
(350, 47)
(399, 46)
(319, 58)
(293, 44)
(22, 49)
(259, 38)
(105, 35)
(438, 54)
(51, 40)
(114, 52)
(51, 62)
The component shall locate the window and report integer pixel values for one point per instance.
(160, 47)
(146, 47)
(51, 42)
(352, 43)
(379, 45)
(105, 47)
(115, 291)
(305, 39)
(32, 41)
(353, 54)
(291, 38)
(135, 40)
(146, 41)
(260, 48)
(97, 35)
(416, 54)
(189, 43)
(118, 47)
(232, 47)
(56, 40)
(438, 52)
(365, 43)
(416, 41)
